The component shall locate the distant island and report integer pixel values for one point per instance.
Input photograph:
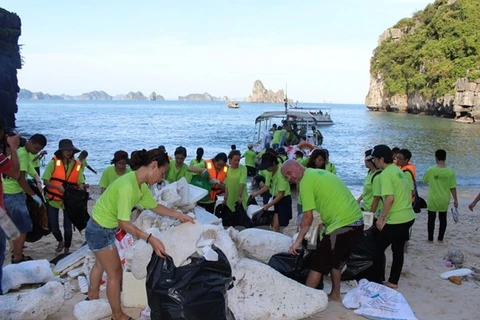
(201, 97)
(262, 95)
(25, 94)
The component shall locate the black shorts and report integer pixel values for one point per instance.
(284, 210)
(325, 258)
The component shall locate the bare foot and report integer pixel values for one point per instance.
(334, 297)
(391, 285)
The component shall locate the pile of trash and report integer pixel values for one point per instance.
(241, 284)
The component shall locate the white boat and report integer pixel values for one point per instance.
(233, 104)
(300, 119)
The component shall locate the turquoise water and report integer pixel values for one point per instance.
(106, 126)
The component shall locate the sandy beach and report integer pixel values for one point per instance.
(429, 296)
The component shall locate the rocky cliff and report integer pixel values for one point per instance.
(10, 61)
(262, 95)
(156, 97)
(95, 95)
(199, 97)
(429, 63)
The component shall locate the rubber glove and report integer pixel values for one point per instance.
(37, 200)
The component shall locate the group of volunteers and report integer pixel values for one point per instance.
(389, 191)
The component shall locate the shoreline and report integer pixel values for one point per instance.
(429, 296)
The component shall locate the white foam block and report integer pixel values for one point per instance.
(261, 244)
(260, 292)
(458, 273)
(28, 272)
(205, 217)
(70, 260)
(92, 310)
(134, 294)
(33, 305)
(137, 257)
(181, 241)
(223, 242)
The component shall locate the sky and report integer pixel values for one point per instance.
(318, 49)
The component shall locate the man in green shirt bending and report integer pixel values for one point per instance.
(341, 216)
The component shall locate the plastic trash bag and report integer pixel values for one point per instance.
(76, 204)
(376, 301)
(193, 292)
(203, 183)
(38, 215)
(455, 214)
(360, 261)
(293, 267)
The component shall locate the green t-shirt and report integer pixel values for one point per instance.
(279, 183)
(11, 185)
(393, 181)
(47, 174)
(324, 192)
(440, 181)
(109, 175)
(173, 174)
(377, 192)
(330, 167)
(35, 163)
(267, 175)
(277, 136)
(367, 191)
(234, 178)
(118, 200)
(250, 156)
(194, 162)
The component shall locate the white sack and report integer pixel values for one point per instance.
(28, 272)
(92, 310)
(261, 244)
(33, 305)
(262, 293)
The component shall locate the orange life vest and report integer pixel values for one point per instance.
(59, 177)
(220, 176)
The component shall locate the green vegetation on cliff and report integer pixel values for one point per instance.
(436, 46)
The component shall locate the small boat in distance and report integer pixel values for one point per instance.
(233, 104)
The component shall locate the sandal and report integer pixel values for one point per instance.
(59, 246)
(24, 258)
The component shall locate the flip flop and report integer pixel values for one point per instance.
(24, 258)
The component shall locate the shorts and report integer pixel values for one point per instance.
(16, 207)
(333, 250)
(99, 238)
(284, 210)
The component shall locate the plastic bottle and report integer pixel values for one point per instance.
(8, 226)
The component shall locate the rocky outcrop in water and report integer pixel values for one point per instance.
(95, 95)
(199, 97)
(135, 96)
(10, 61)
(156, 97)
(262, 95)
(466, 104)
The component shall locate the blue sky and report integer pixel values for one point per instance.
(321, 49)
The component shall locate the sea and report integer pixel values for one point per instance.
(103, 127)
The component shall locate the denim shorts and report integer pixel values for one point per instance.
(16, 207)
(99, 238)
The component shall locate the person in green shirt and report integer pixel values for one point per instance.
(367, 195)
(54, 190)
(250, 156)
(396, 218)
(14, 191)
(277, 136)
(199, 158)
(82, 157)
(178, 169)
(280, 190)
(112, 210)
(36, 160)
(441, 182)
(341, 216)
(236, 183)
(319, 159)
(117, 169)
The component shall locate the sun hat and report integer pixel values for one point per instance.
(67, 144)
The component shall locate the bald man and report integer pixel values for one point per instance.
(341, 216)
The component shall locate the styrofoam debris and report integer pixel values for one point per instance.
(181, 241)
(28, 272)
(92, 310)
(133, 294)
(261, 244)
(70, 260)
(75, 272)
(138, 255)
(33, 305)
(223, 242)
(205, 242)
(458, 273)
(83, 284)
(269, 296)
(209, 254)
(205, 217)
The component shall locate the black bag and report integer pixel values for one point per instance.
(262, 218)
(293, 267)
(76, 204)
(38, 215)
(197, 291)
(233, 219)
(361, 256)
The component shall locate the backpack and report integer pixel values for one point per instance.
(418, 203)
(76, 204)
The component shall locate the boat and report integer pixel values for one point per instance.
(233, 104)
(298, 118)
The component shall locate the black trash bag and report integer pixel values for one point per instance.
(361, 256)
(76, 204)
(197, 291)
(293, 267)
(262, 218)
(251, 200)
(233, 219)
(38, 215)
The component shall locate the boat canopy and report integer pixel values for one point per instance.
(297, 115)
